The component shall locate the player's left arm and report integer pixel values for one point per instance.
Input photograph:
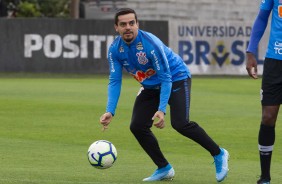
(161, 66)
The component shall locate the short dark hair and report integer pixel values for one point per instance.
(124, 11)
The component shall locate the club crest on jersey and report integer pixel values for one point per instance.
(142, 58)
(139, 46)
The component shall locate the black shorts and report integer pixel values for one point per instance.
(271, 90)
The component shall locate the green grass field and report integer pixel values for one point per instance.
(47, 124)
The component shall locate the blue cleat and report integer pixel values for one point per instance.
(221, 164)
(165, 173)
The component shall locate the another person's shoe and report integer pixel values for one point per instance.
(221, 164)
(165, 173)
(263, 181)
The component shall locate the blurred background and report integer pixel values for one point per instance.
(72, 36)
(147, 9)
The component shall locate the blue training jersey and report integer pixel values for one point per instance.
(149, 61)
(274, 49)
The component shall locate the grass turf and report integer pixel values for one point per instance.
(47, 124)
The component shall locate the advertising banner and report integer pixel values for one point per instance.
(214, 47)
(61, 45)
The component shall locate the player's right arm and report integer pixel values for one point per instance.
(258, 29)
(105, 120)
(114, 87)
(251, 65)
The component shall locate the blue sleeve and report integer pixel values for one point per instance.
(162, 67)
(165, 94)
(114, 86)
(258, 29)
(266, 4)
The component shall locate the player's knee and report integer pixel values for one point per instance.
(268, 119)
(135, 129)
(177, 127)
(185, 126)
(139, 129)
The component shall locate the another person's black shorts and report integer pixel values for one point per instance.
(271, 90)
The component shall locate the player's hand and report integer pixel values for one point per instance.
(105, 120)
(251, 66)
(161, 122)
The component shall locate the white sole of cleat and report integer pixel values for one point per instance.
(169, 176)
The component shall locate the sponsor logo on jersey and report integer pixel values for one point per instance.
(280, 9)
(278, 48)
(139, 46)
(112, 66)
(140, 75)
(121, 49)
(125, 63)
(156, 59)
(141, 56)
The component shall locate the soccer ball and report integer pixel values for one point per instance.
(102, 154)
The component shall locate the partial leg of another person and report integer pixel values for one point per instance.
(271, 98)
(145, 106)
(179, 108)
(266, 139)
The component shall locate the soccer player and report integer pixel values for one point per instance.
(165, 79)
(271, 89)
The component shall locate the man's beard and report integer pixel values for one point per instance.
(128, 40)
